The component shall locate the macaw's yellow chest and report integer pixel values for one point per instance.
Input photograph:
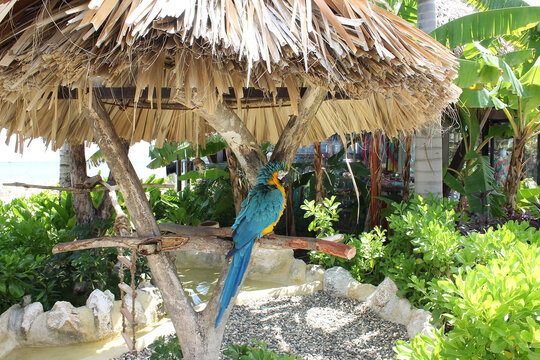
(275, 181)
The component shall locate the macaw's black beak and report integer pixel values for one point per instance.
(283, 177)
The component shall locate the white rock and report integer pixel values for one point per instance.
(8, 335)
(152, 303)
(385, 292)
(31, 312)
(419, 322)
(360, 291)
(101, 304)
(314, 273)
(337, 281)
(63, 318)
(88, 331)
(271, 265)
(140, 317)
(298, 271)
(397, 310)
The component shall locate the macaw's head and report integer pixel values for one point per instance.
(271, 174)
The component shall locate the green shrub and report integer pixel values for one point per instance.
(166, 349)
(324, 215)
(492, 310)
(257, 352)
(365, 266)
(29, 228)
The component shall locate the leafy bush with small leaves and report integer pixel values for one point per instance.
(29, 228)
(258, 352)
(492, 310)
(365, 266)
(324, 214)
(166, 349)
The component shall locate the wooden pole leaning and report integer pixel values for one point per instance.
(186, 322)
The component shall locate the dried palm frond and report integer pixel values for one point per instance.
(395, 76)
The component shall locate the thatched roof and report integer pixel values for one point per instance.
(394, 76)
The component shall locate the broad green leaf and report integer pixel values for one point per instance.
(518, 57)
(487, 25)
(480, 99)
(467, 73)
(208, 174)
(531, 82)
(453, 183)
(15, 290)
(528, 193)
(489, 74)
(503, 131)
(484, 5)
(509, 76)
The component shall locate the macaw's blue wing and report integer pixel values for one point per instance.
(260, 210)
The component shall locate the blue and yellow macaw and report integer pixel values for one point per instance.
(260, 212)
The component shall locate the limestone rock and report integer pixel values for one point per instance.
(88, 330)
(40, 334)
(397, 310)
(337, 281)
(63, 318)
(31, 312)
(314, 273)
(140, 316)
(360, 291)
(298, 271)
(271, 265)
(101, 304)
(8, 335)
(152, 303)
(419, 322)
(385, 292)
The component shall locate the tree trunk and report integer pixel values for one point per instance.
(82, 202)
(236, 182)
(196, 333)
(225, 121)
(428, 140)
(407, 169)
(515, 172)
(376, 173)
(297, 126)
(319, 181)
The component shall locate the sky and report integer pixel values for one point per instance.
(36, 151)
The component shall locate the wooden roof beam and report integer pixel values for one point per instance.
(129, 92)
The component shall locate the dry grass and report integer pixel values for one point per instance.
(397, 76)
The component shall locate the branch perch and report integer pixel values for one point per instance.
(206, 242)
(83, 189)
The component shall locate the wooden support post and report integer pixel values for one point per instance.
(296, 128)
(198, 339)
(375, 169)
(319, 183)
(407, 169)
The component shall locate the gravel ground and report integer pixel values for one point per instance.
(314, 327)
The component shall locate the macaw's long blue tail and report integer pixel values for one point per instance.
(234, 277)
